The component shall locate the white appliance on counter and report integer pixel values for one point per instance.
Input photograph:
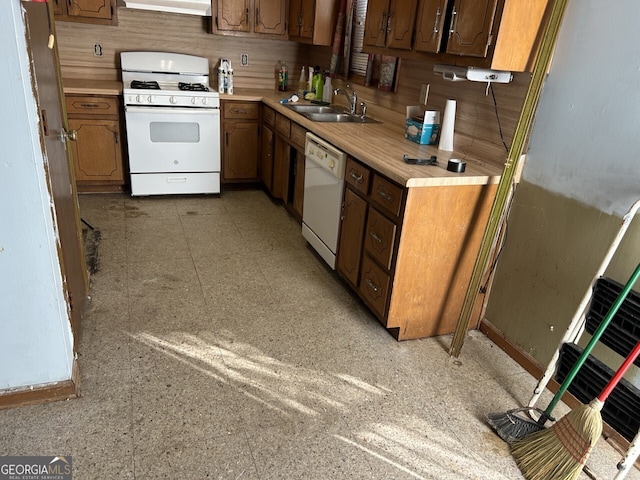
(323, 181)
(172, 123)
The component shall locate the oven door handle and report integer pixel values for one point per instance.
(173, 110)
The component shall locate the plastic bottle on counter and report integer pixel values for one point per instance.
(221, 75)
(310, 80)
(302, 83)
(327, 89)
(317, 83)
(283, 77)
(230, 80)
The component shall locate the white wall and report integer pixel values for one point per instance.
(585, 144)
(36, 343)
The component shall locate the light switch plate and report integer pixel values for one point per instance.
(244, 59)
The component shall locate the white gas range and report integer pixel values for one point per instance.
(172, 124)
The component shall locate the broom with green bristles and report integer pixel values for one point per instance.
(560, 452)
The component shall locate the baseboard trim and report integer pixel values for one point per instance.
(42, 394)
(527, 362)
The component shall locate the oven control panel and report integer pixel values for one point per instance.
(176, 99)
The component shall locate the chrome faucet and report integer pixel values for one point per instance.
(353, 98)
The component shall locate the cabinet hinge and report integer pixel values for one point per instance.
(216, 21)
(489, 40)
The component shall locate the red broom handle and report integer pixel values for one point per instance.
(620, 373)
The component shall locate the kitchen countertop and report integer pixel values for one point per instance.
(76, 86)
(379, 145)
(382, 145)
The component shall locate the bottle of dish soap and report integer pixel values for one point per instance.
(317, 83)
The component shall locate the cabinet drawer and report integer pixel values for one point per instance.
(269, 116)
(386, 194)
(283, 125)
(357, 175)
(245, 110)
(86, 105)
(374, 286)
(379, 238)
(298, 135)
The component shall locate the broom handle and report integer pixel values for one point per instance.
(620, 373)
(587, 350)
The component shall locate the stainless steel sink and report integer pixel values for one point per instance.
(338, 117)
(312, 109)
(320, 113)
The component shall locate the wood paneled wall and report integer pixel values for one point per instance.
(147, 30)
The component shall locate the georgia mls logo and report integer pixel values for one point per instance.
(35, 468)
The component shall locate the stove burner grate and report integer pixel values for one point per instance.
(145, 85)
(194, 87)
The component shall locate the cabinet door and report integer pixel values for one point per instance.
(271, 16)
(298, 183)
(379, 238)
(374, 287)
(266, 159)
(233, 15)
(57, 7)
(240, 151)
(430, 25)
(307, 18)
(471, 24)
(400, 21)
(375, 26)
(281, 162)
(354, 215)
(89, 8)
(295, 18)
(97, 153)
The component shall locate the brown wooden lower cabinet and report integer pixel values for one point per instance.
(409, 252)
(241, 145)
(98, 149)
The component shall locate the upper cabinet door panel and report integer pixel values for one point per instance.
(375, 27)
(430, 25)
(307, 18)
(400, 21)
(233, 15)
(89, 8)
(271, 16)
(471, 23)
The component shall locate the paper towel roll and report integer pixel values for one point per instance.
(447, 127)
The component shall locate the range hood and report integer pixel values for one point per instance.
(189, 7)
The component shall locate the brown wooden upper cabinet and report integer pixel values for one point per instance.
(249, 17)
(389, 23)
(87, 11)
(498, 34)
(312, 21)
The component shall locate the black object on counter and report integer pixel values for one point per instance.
(420, 161)
(457, 166)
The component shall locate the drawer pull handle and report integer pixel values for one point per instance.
(237, 110)
(357, 176)
(386, 195)
(375, 237)
(89, 105)
(372, 285)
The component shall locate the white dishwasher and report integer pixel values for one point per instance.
(323, 182)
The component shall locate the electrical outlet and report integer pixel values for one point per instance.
(244, 59)
(424, 91)
(97, 50)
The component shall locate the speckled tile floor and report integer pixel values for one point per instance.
(218, 345)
